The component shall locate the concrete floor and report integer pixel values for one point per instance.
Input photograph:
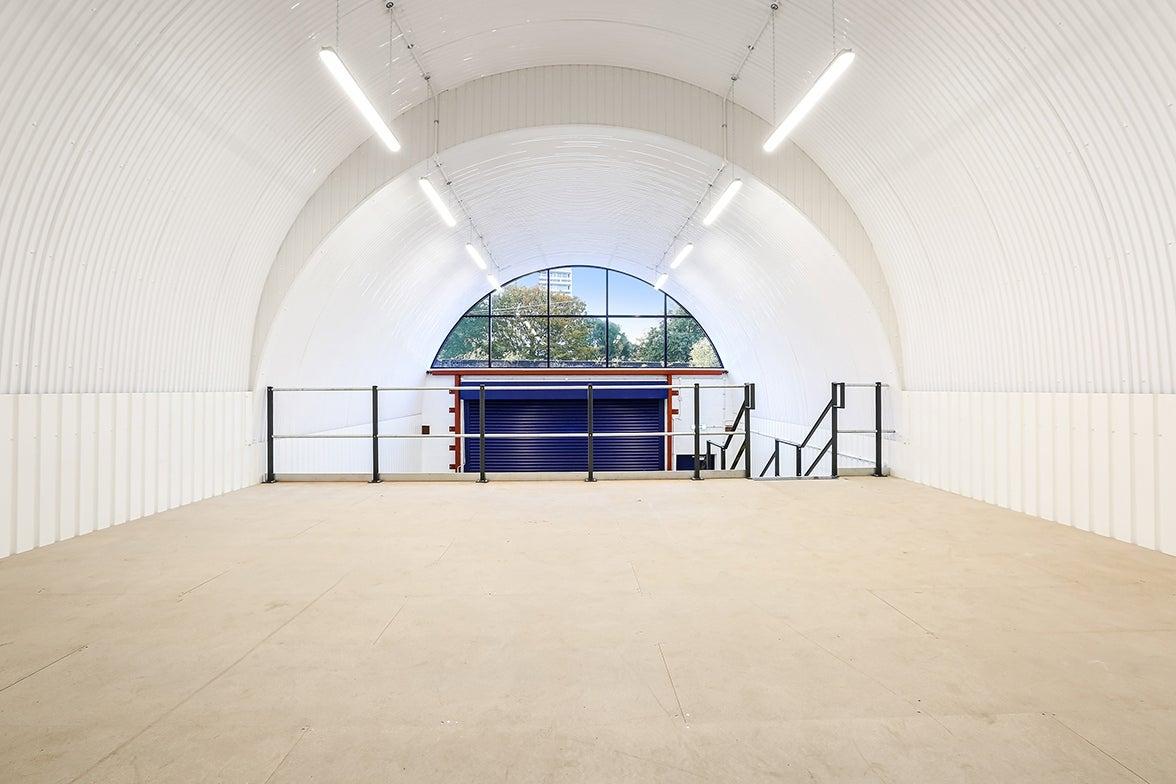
(853, 631)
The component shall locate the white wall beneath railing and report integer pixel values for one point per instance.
(1098, 462)
(77, 463)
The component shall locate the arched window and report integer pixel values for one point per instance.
(577, 317)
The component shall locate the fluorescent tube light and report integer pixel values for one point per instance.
(824, 83)
(494, 282)
(722, 203)
(435, 200)
(681, 257)
(477, 257)
(661, 280)
(343, 76)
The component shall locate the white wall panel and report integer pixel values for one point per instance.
(8, 478)
(1166, 472)
(71, 464)
(1094, 461)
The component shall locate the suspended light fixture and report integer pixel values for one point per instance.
(824, 83)
(435, 200)
(494, 282)
(661, 280)
(722, 203)
(476, 256)
(681, 257)
(343, 76)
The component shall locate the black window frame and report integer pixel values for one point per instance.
(607, 317)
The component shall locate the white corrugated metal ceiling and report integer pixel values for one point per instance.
(1013, 163)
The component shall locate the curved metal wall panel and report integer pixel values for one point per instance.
(1011, 162)
(379, 295)
(581, 96)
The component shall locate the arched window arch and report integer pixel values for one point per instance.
(577, 317)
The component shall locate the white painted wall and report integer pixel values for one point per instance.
(76, 463)
(1099, 462)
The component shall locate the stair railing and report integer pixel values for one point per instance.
(835, 404)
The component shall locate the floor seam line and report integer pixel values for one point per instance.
(677, 699)
(23, 678)
(286, 756)
(1098, 748)
(206, 684)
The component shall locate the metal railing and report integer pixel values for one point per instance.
(482, 436)
(836, 403)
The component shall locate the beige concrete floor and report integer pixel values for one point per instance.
(854, 631)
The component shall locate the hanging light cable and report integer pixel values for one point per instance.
(483, 258)
(824, 83)
(733, 187)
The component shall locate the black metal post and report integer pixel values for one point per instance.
(710, 458)
(375, 434)
(748, 405)
(833, 432)
(776, 457)
(697, 434)
(269, 435)
(482, 433)
(878, 428)
(591, 478)
(799, 463)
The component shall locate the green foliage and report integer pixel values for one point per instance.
(522, 339)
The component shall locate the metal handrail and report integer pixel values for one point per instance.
(454, 436)
(482, 436)
(506, 388)
(836, 402)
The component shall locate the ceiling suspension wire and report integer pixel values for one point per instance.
(338, 38)
(727, 127)
(434, 160)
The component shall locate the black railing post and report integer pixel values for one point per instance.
(877, 428)
(375, 434)
(833, 431)
(697, 434)
(748, 405)
(269, 435)
(591, 478)
(799, 460)
(482, 433)
(776, 457)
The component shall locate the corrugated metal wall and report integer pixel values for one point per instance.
(1099, 462)
(578, 95)
(72, 464)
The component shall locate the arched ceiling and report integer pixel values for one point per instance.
(381, 293)
(1012, 162)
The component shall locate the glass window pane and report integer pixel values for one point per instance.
(628, 296)
(576, 291)
(518, 341)
(636, 342)
(577, 342)
(674, 308)
(482, 307)
(526, 296)
(689, 346)
(467, 344)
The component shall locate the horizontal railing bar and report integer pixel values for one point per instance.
(511, 388)
(863, 432)
(367, 436)
(322, 389)
(864, 385)
(475, 436)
